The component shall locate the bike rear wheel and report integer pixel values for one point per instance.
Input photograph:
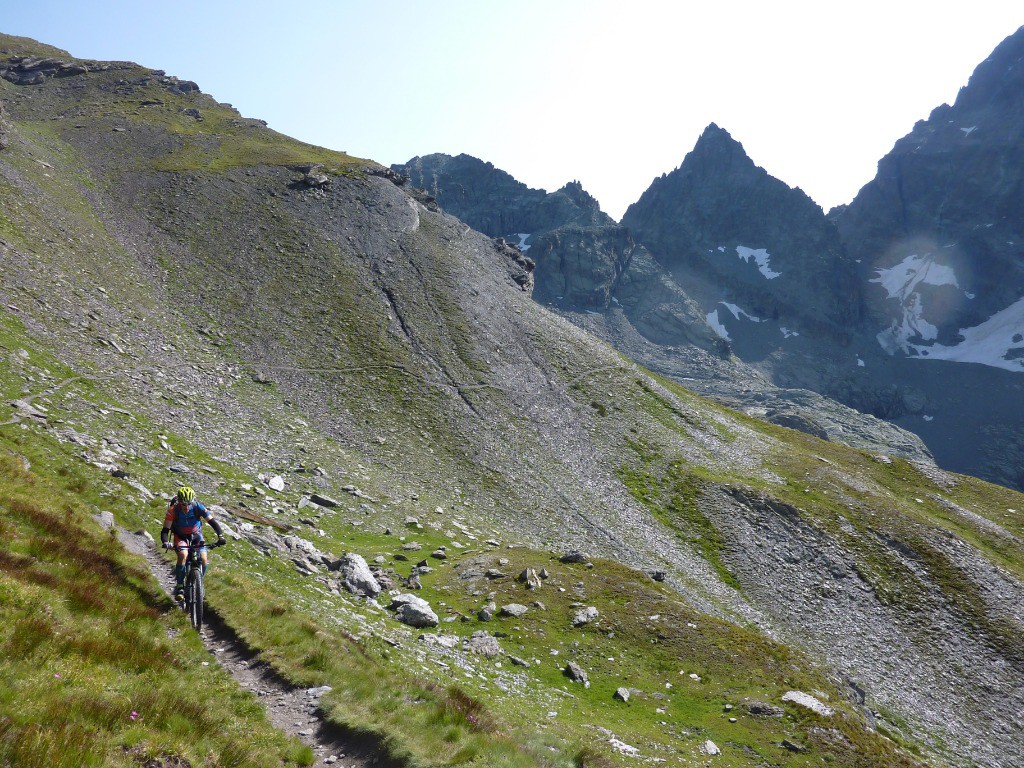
(194, 602)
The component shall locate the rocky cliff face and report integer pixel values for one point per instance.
(491, 201)
(939, 230)
(749, 239)
(940, 238)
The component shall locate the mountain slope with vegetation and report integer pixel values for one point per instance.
(342, 369)
(905, 305)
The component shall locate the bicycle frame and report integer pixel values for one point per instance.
(195, 590)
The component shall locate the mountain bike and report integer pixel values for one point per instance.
(195, 591)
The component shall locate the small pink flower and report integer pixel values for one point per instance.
(56, 674)
(134, 714)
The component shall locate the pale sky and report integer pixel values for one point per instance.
(608, 92)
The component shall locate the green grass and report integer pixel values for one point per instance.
(420, 721)
(96, 668)
(671, 491)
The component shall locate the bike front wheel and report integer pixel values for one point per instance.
(195, 602)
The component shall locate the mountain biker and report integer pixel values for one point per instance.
(184, 517)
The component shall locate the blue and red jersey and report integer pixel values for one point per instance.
(186, 520)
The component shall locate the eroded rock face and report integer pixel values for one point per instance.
(579, 267)
(33, 70)
(6, 129)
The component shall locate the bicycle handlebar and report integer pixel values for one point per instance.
(214, 545)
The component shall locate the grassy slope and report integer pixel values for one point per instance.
(432, 712)
(96, 667)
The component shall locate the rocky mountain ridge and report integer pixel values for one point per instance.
(902, 305)
(603, 278)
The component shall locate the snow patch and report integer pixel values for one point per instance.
(969, 131)
(786, 332)
(901, 282)
(902, 279)
(737, 312)
(927, 418)
(860, 363)
(993, 342)
(716, 325)
(760, 257)
(715, 321)
(523, 237)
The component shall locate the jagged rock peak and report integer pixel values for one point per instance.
(577, 194)
(998, 79)
(713, 135)
(717, 149)
(718, 201)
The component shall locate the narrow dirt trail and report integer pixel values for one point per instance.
(292, 710)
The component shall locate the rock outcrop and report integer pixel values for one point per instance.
(731, 233)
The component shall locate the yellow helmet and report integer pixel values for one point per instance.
(186, 495)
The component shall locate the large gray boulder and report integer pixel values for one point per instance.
(356, 576)
(576, 673)
(585, 616)
(416, 614)
(484, 644)
(406, 599)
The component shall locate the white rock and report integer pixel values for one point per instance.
(357, 576)
(276, 483)
(710, 748)
(624, 748)
(397, 601)
(585, 616)
(808, 701)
